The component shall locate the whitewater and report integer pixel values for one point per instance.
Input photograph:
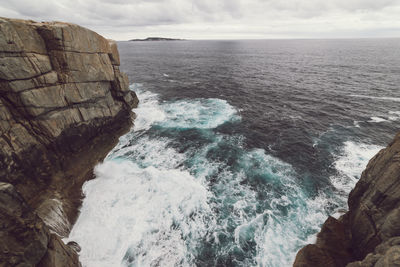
(177, 191)
(240, 149)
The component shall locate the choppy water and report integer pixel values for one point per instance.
(240, 149)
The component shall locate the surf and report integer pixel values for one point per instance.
(179, 191)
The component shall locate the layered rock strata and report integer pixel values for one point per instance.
(369, 233)
(63, 105)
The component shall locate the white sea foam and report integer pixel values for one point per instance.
(394, 115)
(377, 119)
(350, 164)
(142, 215)
(150, 152)
(201, 113)
(282, 237)
(394, 99)
(149, 110)
(390, 116)
(286, 231)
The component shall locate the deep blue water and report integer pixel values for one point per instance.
(240, 149)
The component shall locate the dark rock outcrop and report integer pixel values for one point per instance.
(369, 233)
(63, 105)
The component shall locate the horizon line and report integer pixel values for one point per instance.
(258, 39)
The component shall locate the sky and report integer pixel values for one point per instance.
(218, 19)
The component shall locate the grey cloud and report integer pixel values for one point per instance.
(241, 18)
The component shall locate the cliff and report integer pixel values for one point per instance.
(369, 233)
(63, 105)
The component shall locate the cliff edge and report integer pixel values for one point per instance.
(369, 233)
(63, 105)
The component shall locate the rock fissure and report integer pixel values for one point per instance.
(21, 119)
(86, 103)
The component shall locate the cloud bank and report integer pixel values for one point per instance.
(218, 19)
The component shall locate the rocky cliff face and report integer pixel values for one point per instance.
(369, 233)
(63, 105)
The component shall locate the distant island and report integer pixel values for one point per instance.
(152, 39)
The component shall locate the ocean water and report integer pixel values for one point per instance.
(240, 149)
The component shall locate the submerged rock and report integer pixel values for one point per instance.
(63, 105)
(368, 234)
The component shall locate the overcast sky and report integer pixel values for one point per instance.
(218, 19)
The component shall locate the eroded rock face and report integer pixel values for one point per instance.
(63, 105)
(386, 254)
(24, 237)
(370, 230)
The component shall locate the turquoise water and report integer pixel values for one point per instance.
(178, 191)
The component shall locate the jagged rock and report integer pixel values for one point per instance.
(63, 105)
(331, 249)
(374, 202)
(75, 246)
(23, 234)
(59, 255)
(114, 56)
(386, 254)
(312, 255)
(370, 230)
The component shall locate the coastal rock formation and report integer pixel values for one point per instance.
(63, 105)
(26, 240)
(369, 233)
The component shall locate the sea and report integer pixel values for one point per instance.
(240, 151)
